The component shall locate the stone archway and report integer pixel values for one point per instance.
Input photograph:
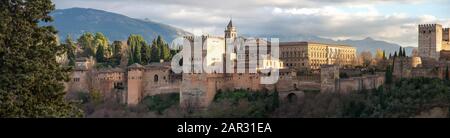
(291, 97)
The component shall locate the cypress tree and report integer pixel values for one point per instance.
(137, 55)
(146, 54)
(135, 43)
(388, 75)
(163, 50)
(160, 45)
(155, 54)
(166, 52)
(100, 55)
(117, 52)
(130, 57)
(71, 48)
(31, 80)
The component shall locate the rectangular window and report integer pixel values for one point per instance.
(76, 79)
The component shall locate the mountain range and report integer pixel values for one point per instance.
(367, 44)
(76, 21)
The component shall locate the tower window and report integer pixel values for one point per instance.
(155, 78)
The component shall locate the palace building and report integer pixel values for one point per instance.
(312, 55)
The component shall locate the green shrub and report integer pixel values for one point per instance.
(242, 104)
(161, 102)
(407, 98)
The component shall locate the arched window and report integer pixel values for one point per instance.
(155, 78)
(291, 97)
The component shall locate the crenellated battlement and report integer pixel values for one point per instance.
(446, 30)
(446, 34)
(429, 27)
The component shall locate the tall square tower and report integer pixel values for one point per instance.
(430, 40)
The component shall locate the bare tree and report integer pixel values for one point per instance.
(365, 58)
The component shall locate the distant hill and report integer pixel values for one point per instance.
(76, 21)
(372, 45)
(367, 44)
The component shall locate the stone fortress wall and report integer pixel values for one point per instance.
(131, 84)
(433, 54)
(354, 84)
(199, 89)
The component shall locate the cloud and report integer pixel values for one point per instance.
(335, 19)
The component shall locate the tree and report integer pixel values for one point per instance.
(163, 49)
(71, 49)
(135, 42)
(366, 58)
(86, 42)
(400, 53)
(31, 80)
(160, 45)
(388, 75)
(146, 54)
(155, 52)
(100, 55)
(166, 55)
(159, 41)
(101, 40)
(379, 54)
(384, 55)
(130, 57)
(90, 42)
(117, 52)
(137, 55)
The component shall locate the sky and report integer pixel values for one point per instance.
(389, 20)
